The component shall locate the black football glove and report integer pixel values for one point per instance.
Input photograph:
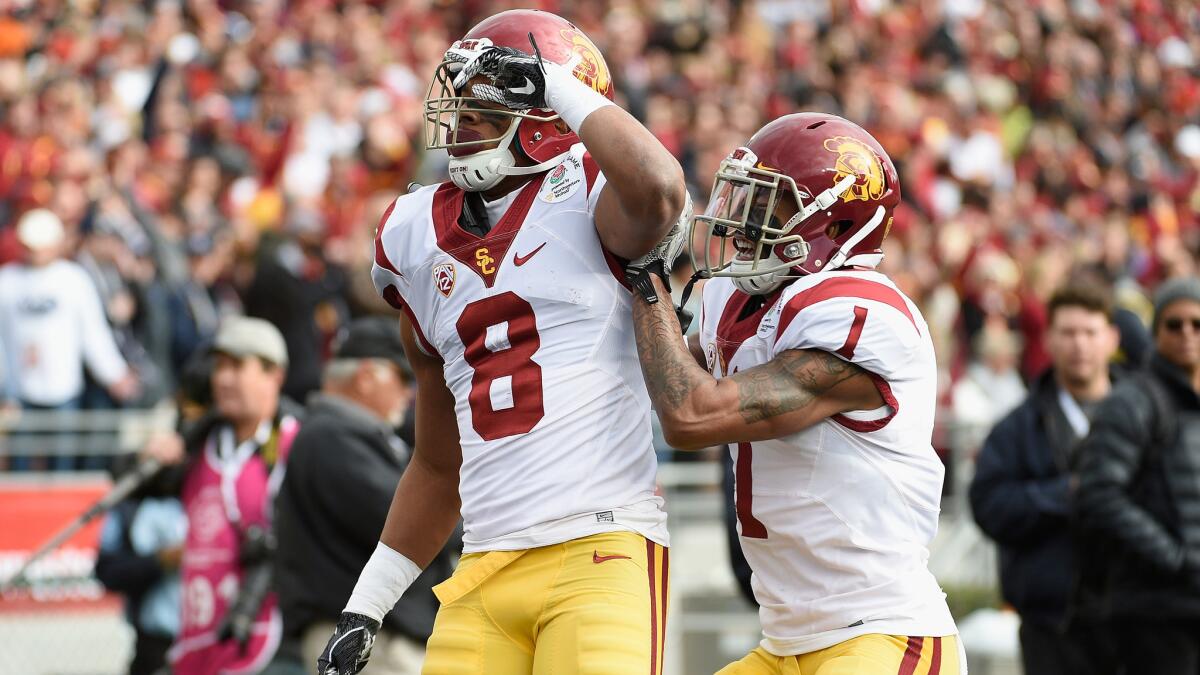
(350, 646)
(518, 79)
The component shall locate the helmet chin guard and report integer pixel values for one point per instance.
(484, 169)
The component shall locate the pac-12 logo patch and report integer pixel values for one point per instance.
(443, 278)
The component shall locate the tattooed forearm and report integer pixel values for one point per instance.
(792, 380)
(670, 370)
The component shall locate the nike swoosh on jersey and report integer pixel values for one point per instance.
(528, 88)
(597, 558)
(519, 260)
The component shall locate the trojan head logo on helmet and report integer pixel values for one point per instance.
(836, 180)
(479, 162)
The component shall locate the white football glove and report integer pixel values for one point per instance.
(660, 258)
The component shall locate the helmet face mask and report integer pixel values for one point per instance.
(445, 106)
(829, 179)
(741, 218)
(536, 134)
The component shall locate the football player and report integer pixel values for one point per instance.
(532, 415)
(823, 384)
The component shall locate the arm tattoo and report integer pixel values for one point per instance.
(671, 371)
(792, 380)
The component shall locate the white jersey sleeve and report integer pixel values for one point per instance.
(404, 229)
(860, 317)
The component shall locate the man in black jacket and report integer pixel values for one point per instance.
(1020, 494)
(1139, 495)
(343, 471)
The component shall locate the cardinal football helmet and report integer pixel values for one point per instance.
(534, 130)
(845, 190)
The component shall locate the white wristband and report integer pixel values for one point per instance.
(571, 99)
(383, 580)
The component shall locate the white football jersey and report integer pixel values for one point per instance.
(535, 331)
(835, 521)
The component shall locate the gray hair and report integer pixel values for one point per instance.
(338, 371)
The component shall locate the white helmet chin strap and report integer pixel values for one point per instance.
(484, 169)
(758, 284)
(838, 259)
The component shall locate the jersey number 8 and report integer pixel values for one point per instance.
(509, 356)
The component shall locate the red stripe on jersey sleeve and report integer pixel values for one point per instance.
(616, 265)
(381, 258)
(392, 295)
(885, 392)
(590, 171)
(843, 287)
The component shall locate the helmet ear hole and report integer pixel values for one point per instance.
(837, 228)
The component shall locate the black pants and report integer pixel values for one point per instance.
(1158, 647)
(1048, 649)
(149, 653)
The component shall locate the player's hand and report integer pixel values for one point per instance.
(660, 259)
(166, 448)
(350, 646)
(518, 80)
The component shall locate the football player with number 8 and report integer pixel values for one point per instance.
(823, 383)
(532, 416)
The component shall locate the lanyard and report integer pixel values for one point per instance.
(1075, 416)
(231, 458)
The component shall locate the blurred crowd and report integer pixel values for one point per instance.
(209, 157)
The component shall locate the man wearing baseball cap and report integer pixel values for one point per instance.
(228, 467)
(349, 447)
(1139, 496)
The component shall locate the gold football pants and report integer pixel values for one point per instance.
(864, 655)
(595, 605)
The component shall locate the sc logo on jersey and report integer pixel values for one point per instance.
(443, 278)
(484, 261)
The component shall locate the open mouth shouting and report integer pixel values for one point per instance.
(746, 249)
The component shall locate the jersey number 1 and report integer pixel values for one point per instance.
(509, 357)
(743, 475)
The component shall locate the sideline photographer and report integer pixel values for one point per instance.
(227, 468)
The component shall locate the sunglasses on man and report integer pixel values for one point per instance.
(1176, 324)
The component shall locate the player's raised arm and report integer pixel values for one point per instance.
(790, 393)
(422, 517)
(644, 193)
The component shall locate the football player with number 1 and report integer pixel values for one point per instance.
(823, 383)
(532, 416)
